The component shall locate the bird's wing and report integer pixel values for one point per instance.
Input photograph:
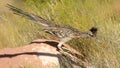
(30, 16)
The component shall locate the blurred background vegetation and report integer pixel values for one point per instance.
(17, 31)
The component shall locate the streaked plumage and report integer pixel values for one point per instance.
(65, 33)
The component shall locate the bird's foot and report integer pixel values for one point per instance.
(63, 49)
(60, 48)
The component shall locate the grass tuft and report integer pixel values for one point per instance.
(80, 14)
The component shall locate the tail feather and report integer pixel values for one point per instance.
(28, 15)
(18, 11)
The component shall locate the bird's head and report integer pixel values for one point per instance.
(89, 34)
(92, 32)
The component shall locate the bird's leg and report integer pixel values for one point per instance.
(64, 40)
(60, 46)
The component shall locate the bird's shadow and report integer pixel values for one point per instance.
(51, 43)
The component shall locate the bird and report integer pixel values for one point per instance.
(64, 32)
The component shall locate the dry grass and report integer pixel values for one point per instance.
(80, 14)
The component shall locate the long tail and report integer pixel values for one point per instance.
(30, 16)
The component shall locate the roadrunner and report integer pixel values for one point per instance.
(63, 32)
